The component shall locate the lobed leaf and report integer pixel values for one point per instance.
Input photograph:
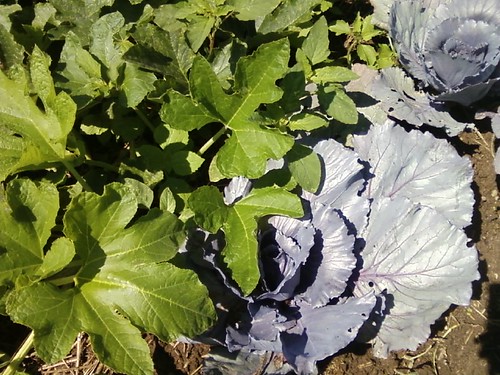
(241, 251)
(249, 147)
(124, 282)
(33, 138)
(27, 215)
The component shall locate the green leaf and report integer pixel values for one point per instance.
(207, 90)
(250, 10)
(368, 31)
(172, 17)
(59, 256)
(303, 62)
(11, 52)
(210, 211)
(386, 57)
(338, 105)
(367, 54)
(41, 77)
(184, 162)
(43, 13)
(102, 43)
(60, 106)
(199, 30)
(31, 138)
(167, 200)
(340, 27)
(357, 24)
(255, 82)
(5, 12)
(143, 192)
(225, 59)
(250, 145)
(305, 166)
(316, 45)
(171, 138)
(183, 113)
(136, 84)
(166, 52)
(247, 150)
(78, 16)
(307, 121)
(41, 304)
(125, 282)
(329, 74)
(27, 215)
(241, 250)
(81, 72)
(287, 14)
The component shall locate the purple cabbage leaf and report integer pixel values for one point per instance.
(398, 99)
(419, 167)
(421, 262)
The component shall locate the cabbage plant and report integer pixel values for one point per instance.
(379, 255)
(450, 46)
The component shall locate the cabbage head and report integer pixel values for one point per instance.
(451, 46)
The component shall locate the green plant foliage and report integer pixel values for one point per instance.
(32, 137)
(124, 281)
(120, 122)
(210, 211)
(27, 215)
(305, 167)
(360, 39)
(250, 145)
(316, 45)
(241, 250)
(287, 14)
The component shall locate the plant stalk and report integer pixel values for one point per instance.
(102, 165)
(211, 141)
(144, 119)
(13, 366)
(77, 175)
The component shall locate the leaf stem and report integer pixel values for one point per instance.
(63, 280)
(101, 164)
(211, 141)
(13, 366)
(69, 166)
(144, 119)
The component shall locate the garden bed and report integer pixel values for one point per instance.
(161, 180)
